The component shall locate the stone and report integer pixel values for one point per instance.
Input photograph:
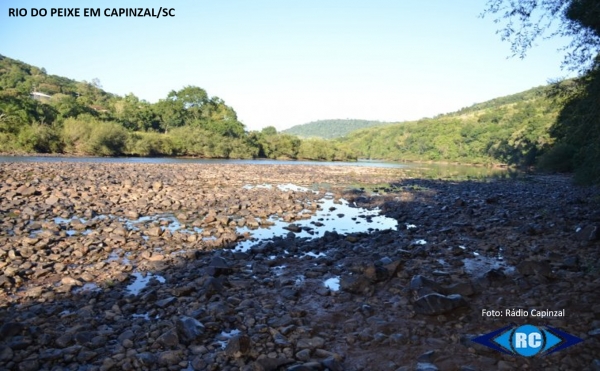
(332, 364)
(293, 228)
(312, 343)
(587, 233)
(356, 284)
(303, 355)
(154, 231)
(170, 357)
(27, 191)
(189, 329)
(424, 285)
(29, 365)
(218, 266)
(376, 273)
(238, 346)
(10, 329)
(6, 353)
(52, 200)
(434, 304)
(421, 366)
(169, 339)
(270, 364)
(537, 268)
(146, 359)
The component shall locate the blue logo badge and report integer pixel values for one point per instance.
(527, 340)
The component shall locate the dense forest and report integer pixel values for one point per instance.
(510, 130)
(331, 129)
(42, 113)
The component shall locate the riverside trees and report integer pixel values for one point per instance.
(66, 116)
(576, 132)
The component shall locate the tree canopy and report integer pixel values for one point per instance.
(48, 113)
(576, 132)
(523, 22)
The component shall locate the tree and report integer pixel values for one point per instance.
(269, 130)
(526, 21)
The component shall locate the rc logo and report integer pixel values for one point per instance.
(527, 340)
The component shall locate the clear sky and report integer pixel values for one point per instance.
(284, 63)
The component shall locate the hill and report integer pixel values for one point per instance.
(331, 129)
(43, 113)
(513, 130)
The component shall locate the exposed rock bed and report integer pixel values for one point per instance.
(75, 238)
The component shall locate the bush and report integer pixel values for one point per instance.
(90, 136)
(150, 144)
(39, 138)
(7, 142)
(559, 158)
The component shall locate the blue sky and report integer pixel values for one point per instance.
(284, 63)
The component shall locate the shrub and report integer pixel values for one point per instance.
(559, 158)
(150, 144)
(90, 136)
(39, 138)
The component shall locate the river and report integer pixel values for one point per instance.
(434, 170)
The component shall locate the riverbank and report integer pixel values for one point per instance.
(122, 266)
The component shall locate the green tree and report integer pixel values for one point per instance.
(525, 21)
(577, 130)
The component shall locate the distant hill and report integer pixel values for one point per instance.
(331, 129)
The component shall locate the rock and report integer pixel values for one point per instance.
(461, 288)
(303, 355)
(426, 367)
(85, 356)
(356, 284)
(594, 332)
(189, 329)
(10, 329)
(571, 262)
(537, 268)
(170, 357)
(312, 343)
(587, 233)
(154, 231)
(434, 304)
(169, 339)
(163, 303)
(69, 281)
(218, 266)
(27, 191)
(51, 200)
(29, 365)
(332, 364)
(64, 340)
(6, 353)
(270, 364)
(423, 285)
(238, 346)
(146, 359)
(293, 228)
(376, 273)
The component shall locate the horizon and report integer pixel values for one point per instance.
(284, 65)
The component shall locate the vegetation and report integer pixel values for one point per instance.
(331, 129)
(512, 129)
(576, 132)
(41, 113)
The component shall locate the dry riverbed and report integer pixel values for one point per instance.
(287, 267)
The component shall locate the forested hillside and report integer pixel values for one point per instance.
(512, 129)
(51, 114)
(331, 129)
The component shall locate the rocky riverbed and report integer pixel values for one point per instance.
(137, 266)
